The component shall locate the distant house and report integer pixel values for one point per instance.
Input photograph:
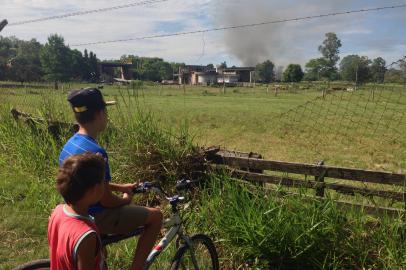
(107, 71)
(203, 75)
(235, 75)
(228, 77)
(193, 74)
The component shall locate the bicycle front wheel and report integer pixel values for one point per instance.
(35, 265)
(201, 256)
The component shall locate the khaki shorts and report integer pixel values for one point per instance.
(121, 220)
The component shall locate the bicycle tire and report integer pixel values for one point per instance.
(209, 255)
(43, 264)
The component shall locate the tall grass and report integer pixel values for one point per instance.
(139, 150)
(253, 229)
(261, 230)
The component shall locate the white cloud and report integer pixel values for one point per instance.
(355, 31)
(282, 43)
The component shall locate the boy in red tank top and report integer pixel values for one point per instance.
(73, 237)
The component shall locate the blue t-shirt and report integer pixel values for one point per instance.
(79, 144)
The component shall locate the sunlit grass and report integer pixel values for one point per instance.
(153, 132)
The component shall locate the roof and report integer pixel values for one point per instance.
(115, 64)
(239, 69)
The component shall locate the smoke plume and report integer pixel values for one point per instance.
(282, 43)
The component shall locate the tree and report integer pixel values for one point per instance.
(316, 69)
(279, 74)
(397, 75)
(330, 50)
(7, 52)
(79, 67)
(21, 60)
(394, 76)
(264, 72)
(93, 67)
(293, 73)
(56, 59)
(355, 68)
(87, 69)
(210, 66)
(378, 70)
(165, 71)
(402, 65)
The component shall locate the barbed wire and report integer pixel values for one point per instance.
(86, 12)
(242, 25)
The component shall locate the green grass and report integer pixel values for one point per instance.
(345, 129)
(24, 209)
(153, 135)
(271, 231)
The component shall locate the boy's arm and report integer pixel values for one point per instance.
(110, 200)
(124, 188)
(86, 254)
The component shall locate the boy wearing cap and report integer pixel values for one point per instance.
(113, 214)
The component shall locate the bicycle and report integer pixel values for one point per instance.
(196, 252)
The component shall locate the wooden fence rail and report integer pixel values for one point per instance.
(251, 167)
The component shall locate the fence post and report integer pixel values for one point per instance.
(404, 193)
(320, 178)
(373, 94)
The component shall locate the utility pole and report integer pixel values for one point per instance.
(3, 24)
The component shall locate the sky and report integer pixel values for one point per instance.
(373, 34)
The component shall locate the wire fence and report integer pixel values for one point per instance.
(363, 120)
(371, 113)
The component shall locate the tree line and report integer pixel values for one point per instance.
(26, 61)
(353, 68)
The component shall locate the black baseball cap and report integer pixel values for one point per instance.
(86, 99)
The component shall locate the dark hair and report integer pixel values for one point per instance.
(78, 174)
(87, 116)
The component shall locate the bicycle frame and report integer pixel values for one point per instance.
(174, 224)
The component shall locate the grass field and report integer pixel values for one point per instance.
(363, 129)
(345, 128)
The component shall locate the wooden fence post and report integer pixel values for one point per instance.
(320, 178)
(404, 197)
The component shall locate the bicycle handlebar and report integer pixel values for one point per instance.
(143, 187)
(185, 184)
(180, 185)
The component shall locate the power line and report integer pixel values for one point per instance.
(85, 12)
(241, 26)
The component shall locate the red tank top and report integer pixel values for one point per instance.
(65, 233)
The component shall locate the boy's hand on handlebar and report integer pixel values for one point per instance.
(127, 197)
(128, 188)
